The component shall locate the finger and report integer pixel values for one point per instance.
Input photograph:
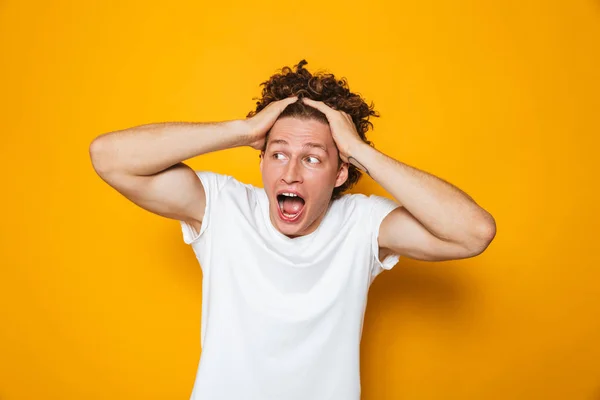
(287, 101)
(319, 105)
(278, 106)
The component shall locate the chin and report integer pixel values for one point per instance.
(287, 227)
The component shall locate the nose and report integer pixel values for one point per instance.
(292, 173)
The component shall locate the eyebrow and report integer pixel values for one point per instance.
(309, 144)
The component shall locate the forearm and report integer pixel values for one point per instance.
(443, 209)
(149, 149)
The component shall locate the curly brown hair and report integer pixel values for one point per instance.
(320, 87)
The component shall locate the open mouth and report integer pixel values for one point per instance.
(290, 206)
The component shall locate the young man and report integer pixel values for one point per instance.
(286, 268)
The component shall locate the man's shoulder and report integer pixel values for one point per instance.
(362, 199)
(351, 205)
(231, 193)
(362, 204)
(220, 181)
(353, 200)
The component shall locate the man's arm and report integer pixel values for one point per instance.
(437, 221)
(145, 163)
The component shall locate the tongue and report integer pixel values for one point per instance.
(292, 205)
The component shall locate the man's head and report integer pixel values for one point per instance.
(300, 156)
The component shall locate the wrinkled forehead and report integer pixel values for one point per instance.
(297, 132)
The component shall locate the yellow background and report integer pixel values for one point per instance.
(100, 299)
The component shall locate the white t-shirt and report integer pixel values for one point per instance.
(282, 318)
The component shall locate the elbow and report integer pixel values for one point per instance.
(100, 155)
(485, 234)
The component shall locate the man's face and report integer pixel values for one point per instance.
(300, 159)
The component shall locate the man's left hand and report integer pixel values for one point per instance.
(342, 128)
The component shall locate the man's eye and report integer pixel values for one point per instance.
(313, 160)
(276, 156)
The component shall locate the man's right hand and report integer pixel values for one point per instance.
(259, 124)
(145, 163)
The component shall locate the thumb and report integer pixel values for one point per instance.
(286, 102)
(278, 106)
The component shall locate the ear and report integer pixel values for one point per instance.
(342, 175)
(262, 156)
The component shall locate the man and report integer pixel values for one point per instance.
(286, 268)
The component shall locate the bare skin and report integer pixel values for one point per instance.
(301, 156)
(437, 220)
(145, 163)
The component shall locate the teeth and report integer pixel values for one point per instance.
(287, 194)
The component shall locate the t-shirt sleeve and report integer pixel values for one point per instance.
(212, 183)
(380, 208)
